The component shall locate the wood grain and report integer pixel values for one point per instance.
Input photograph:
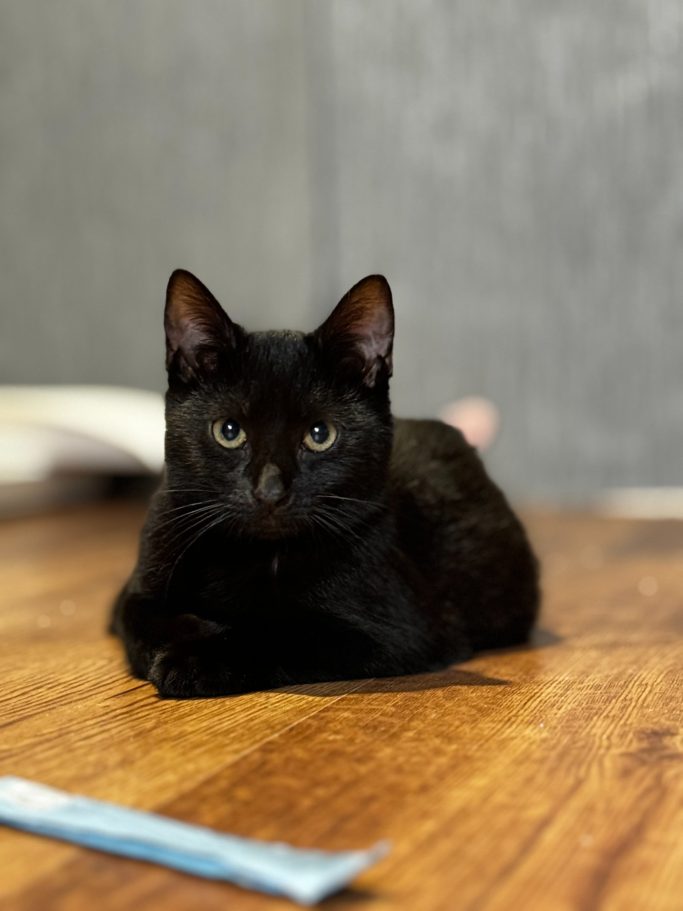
(544, 778)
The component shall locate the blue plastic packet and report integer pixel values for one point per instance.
(304, 875)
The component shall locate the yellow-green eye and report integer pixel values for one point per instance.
(320, 436)
(228, 433)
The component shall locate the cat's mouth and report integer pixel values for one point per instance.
(273, 522)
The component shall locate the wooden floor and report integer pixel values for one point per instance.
(543, 778)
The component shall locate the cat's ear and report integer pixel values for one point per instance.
(360, 329)
(197, 328)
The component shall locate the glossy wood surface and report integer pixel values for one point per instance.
(547, 777)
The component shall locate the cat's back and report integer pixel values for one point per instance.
(435, 461)
(457, 529)
(439, 487)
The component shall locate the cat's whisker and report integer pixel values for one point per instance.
(332, 523)
(177, 515)
(317, 521)
(196, 521)
(334, 496)
(189, 514)
(181, 516)
(186, 506)
(344, 511)
(338, 532)
(201, 533)
(187, 490)
(341, 511)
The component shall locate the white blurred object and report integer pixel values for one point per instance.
(476, 417)
(642, 502)
(58, 439)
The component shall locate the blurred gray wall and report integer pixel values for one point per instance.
(515, 169)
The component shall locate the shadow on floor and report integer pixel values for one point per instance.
(542, 638)
(435, 680)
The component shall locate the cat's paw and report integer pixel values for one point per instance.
(190, 671)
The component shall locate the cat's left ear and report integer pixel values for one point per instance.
(360, 329)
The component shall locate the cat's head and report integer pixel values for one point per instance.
(285, 432)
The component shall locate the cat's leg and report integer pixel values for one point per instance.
(218, 665)
(246, 658)
(148, 629)
(185, 655)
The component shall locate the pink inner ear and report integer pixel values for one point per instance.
(187, 328)
(375, 332)
(363, 321)
(367, 315)
(193, 317)
(187, 334)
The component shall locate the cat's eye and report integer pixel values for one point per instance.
(228, 433)
(320, 436)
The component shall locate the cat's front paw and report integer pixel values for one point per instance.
(191, 671)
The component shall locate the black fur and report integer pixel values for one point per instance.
(390, 553)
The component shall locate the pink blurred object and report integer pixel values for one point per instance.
(476, 417)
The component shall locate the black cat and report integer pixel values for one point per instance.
(300, 532)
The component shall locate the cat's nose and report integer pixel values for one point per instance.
(270, 488)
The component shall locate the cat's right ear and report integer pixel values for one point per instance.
(198, 330)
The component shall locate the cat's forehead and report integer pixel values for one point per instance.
(275, 357)
(285, 343)
(278, 371)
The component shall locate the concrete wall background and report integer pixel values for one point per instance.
(514, 169)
